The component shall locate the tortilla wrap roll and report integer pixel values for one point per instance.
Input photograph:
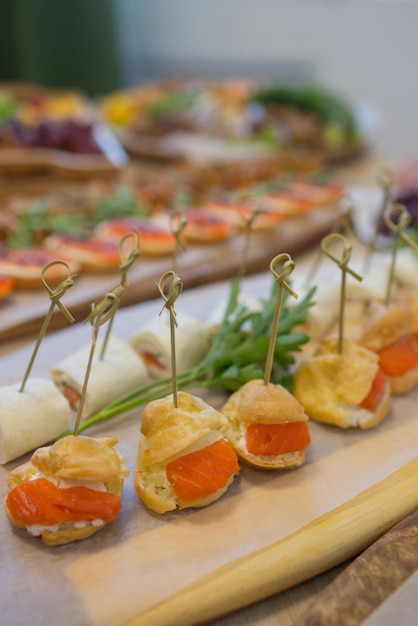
(152, 342)
(31, 418)
(120, 371)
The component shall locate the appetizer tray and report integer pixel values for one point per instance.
(22, 313)
(200, 120)
(55, 133)
(144, 559)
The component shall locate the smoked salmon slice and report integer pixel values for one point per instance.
(376, 393)
(203, 472)
(277, 439)
(40, 501)
(400, 357)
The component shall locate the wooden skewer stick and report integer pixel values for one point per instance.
(342, 263)
(397, 219)
(124, 266)
(178, 224)
(343, 227)
(249, 226)
(327, 541)
(281, 266)
(385, 181)
(54, 296)
(99, 315)
(175, 288)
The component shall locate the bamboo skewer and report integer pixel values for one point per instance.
(322, 544)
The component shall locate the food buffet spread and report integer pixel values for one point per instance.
(259, 243)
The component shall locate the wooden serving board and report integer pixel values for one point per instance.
(23, 312)
(353, 486)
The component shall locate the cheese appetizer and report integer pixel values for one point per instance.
(184, 459)
(152, 343)
(30, 418)
(92, 254)
(24, 266)
(348, 390)
(390, 333)
(155, 240)
(267, 426)
(120, 370)
(68, 490)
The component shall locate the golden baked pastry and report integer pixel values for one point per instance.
(267, 426)
(68, 491)
(333, 387)
(184, 459)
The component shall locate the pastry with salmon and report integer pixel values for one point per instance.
(184, 459)
(67, 491)
(267, 426)
(390, 332)
(347, 389)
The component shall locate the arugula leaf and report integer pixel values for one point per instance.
(121, 204)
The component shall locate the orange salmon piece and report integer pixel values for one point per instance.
(400, 357)
(203, 472)
(6, 286)
(376, 393)
(276, 439)
(39, 501)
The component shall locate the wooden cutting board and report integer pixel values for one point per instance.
(23, 312)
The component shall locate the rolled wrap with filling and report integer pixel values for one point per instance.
(120, 371)
(30, 418)
(152, 342)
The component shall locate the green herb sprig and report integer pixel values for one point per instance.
(237, 354)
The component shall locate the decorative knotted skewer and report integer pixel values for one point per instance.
(175, 287)
(125, 265)
(281, 266)
(342, 263)
(385, 182)
(54, 296)
(249, 229)
(397, 218)
(248, 223)
(344, 223)
(342, 226)
(178, 223)
(99, 315)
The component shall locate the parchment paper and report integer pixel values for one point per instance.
(143, 557)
